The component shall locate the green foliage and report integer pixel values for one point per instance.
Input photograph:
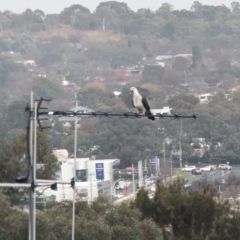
(197, 55)
(183, 101)
(46, 88)
(45, 156)
(11, 154)
(7, 66)
(153, 73)
(112, 222)
(96, 98)
(120, 8)
(192, 216)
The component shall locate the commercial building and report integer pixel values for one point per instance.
(94, 178)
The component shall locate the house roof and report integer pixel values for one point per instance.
(206, 95)
(80, 108)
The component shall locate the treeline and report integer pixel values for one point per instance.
(219, 22)
(171, 214)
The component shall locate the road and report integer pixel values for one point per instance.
(216, 174)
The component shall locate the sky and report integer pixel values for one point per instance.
(56, 6)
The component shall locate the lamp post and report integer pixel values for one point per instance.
(74, 168)
(91, 175)
(133, 183)
(180, 147)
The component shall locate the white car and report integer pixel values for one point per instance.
(224, 167)
(188, 168)
(214, 167)
(206, 169)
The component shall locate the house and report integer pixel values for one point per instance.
(117, 94)
(66, 121)
(66, 83)
(235, 89)
(164, 110)
(28, 63)
(61, 154)
(205, 98)
(81, 109)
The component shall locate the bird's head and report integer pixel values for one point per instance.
(133, 89)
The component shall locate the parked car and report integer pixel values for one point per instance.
(197, 171)
(214, 167)
(206, 169)
(188, 168)
(224, 167)
(150, 181)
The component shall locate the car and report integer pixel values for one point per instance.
(150, 181)
(188, 168)
(197, 171)
(187, 185)
(224, 167)
(206, 169)
(214, 167)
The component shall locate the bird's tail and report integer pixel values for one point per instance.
(148, 113)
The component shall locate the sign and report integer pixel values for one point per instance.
(153, 165)
(99, 171)
(116, 162)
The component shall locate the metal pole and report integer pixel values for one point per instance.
(111, 184)
(17, 185)
(171, 168)
(133, 180)
(180, 147)
(74, 169)
(164, 160)
(30, 232)
(91, 186)
(34, 171)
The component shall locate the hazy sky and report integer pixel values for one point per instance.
(56, 6)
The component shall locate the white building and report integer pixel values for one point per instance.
(164, 110)
(205, 98)
(93, 179)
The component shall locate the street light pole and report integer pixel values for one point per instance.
(180, 147)
(133, 180)
(74, 168)
(164, 154)
(171, 167)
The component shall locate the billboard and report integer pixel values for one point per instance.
(153, 165)
(99, 171)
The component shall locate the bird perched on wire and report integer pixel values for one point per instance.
(141, 104)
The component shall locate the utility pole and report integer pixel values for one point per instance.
(180, 147)
(74, 167)
(133, 180)
(30, 233)
(164, 160)
(104, 24)
(111, 184)
(34, 171)
(171, 168)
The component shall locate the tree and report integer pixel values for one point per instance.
(196, 55)
(153, 73)
(46, 157)
(120, 8)
(46, 88)
(7, 66)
